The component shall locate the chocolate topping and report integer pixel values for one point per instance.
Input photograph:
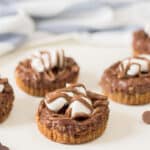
(141, 42)
(146, 117)
(77, 96)
(48, 79)
(6, 99)
(2, 147)
(123, 71)
(46, 61)
(80, 123)
(131, 85)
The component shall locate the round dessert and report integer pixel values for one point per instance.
(72, 115)
(141, 41)
(128, 81)
(6, 99)
(46, 71)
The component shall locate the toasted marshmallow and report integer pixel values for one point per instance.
(50, 59)
(46, 60)
(71, 94)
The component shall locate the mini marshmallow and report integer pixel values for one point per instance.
(147, 29)
(133, 70)
(145, 56)
(61, 58)
(46, 60)
(71, 94)
(77, 107)
(37, 65)
(87, 100)
(143, 63)
(57, 104)
(81, 89)
(1, 87)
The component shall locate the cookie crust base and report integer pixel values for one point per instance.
(134, 99)
(63, 138)
(40, 92)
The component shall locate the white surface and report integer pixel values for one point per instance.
(125, 130)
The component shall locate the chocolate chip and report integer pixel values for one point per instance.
(146, 117)
(2, 147)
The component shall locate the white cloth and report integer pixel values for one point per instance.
(19, 20)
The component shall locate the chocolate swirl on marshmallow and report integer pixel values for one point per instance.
(136, 66)
(74, 97)
(45, 60)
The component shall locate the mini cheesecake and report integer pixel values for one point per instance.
(72, 115)
(128, 81)
(45, 71)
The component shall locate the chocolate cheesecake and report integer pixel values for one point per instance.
(73, 115)
(128, 81)
(46, 71)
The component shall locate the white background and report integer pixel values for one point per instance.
(125, 130)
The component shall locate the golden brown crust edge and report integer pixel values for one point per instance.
(56, 136)
(137, 52)
(6, 115)
(136, 99)
(39, 92)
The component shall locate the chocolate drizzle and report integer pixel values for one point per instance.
(47, 61)
(123, 70)
(77, 96)
(77, 126)
(50, 79)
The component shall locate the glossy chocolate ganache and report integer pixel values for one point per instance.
(132, 75)
(73, 110)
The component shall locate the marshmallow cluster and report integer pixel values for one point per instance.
(135, 65)
(75, 106)
(44, 60)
